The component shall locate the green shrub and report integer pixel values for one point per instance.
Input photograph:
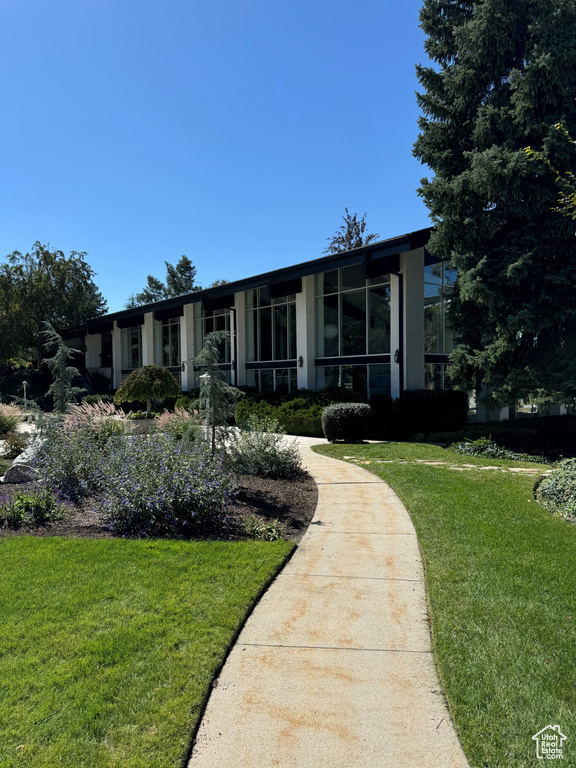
(425, 411)
(10, 416)
(258, 447)
(183, 402)
(553, 437)
(137, 415)
(158, 486)
(349, 422)
(179, 423)
(307, 422)
(557, 491)
(256, 528)
(383, 420)
(484, 446)
(13, 445)
(32, 508)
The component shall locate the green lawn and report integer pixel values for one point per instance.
(501, 578)
(108, 647)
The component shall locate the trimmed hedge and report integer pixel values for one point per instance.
(425, 411)
(299, 413)
(417, 411)
(349, 422)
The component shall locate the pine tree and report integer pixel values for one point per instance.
(63, 374)
(217, 400)
(180, 279)
(503, 74)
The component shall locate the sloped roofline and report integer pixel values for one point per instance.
(383, 249)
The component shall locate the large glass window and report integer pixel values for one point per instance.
(167, 342)
(438, 288)
(364, 380)
(281, 380)
(270, 326)
(219, 320)
(352, 313)
(131, 352)
(435, 376)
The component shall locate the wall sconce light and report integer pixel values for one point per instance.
(330, 331)
(397, 356)
(300, 361)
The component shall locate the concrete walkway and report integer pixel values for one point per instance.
(334, 667)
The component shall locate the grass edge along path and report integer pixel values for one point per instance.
(109, 647)
(501, 584)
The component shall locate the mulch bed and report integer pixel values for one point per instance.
(291, 502)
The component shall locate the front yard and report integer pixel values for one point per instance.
(501, 580)
(109, 647)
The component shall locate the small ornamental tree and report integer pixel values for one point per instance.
(63, 374)
(217, 402)
(147, 383)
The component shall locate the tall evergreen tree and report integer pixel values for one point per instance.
(503, 73)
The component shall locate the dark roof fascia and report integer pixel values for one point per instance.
(381, 249)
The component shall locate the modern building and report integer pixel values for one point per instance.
(372, 319)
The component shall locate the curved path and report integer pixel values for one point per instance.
(334, 667)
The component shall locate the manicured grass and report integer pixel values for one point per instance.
(108, 647)
(501, 578)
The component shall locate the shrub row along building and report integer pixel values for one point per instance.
(372, 319)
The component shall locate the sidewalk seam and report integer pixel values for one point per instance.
(331, 648)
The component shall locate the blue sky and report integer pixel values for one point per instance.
(232, 131)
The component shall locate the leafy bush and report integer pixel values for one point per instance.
(260, 448)
(10, 416)
(32, 508)
(138, 415)
(159, 486)
(383, 422)
(484, 446)
(256, 528)
(557, 491)
(183, 402)
(93, 399)
(13, 445)
(68, 460)
(553, 436)
(150, 485)
(349, 422)
(179, 423)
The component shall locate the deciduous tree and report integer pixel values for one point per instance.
(349, 235)
(44, 285)
(151, 382)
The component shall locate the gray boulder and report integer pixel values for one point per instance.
(19, 473)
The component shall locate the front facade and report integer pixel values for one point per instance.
(372, 319)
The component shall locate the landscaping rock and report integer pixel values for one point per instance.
(19, 473)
